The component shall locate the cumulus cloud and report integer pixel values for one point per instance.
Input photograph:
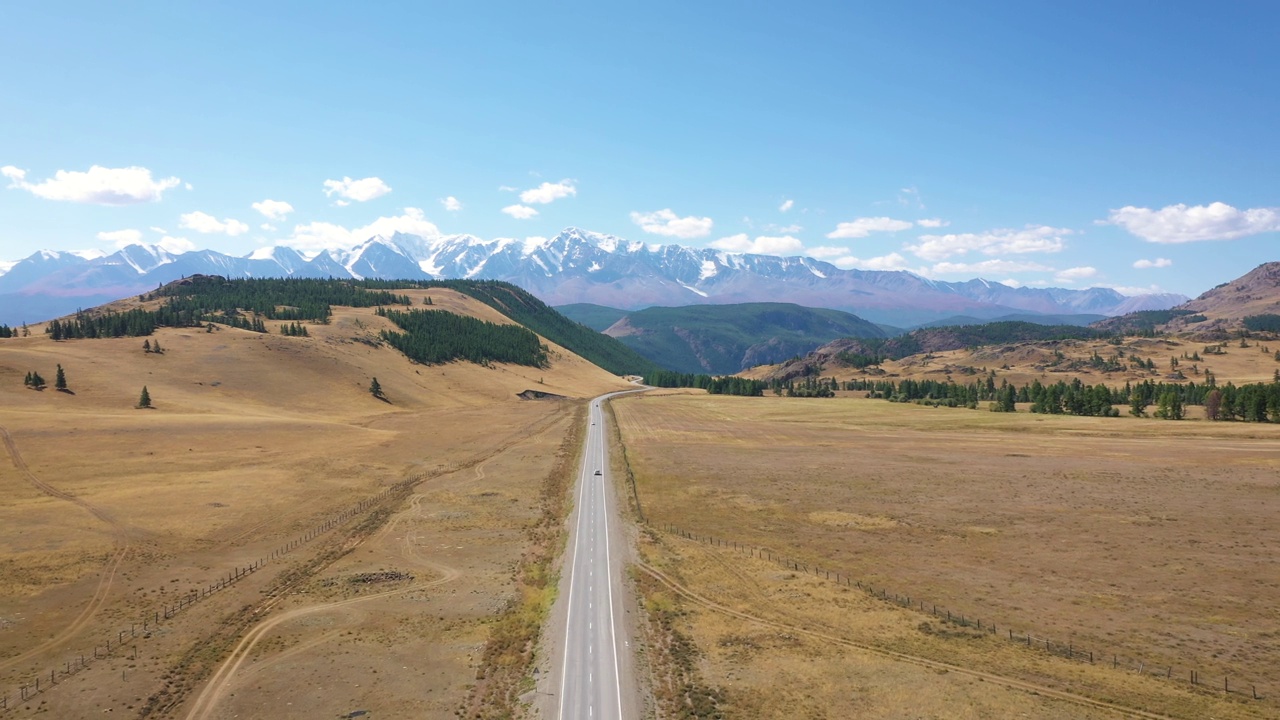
(1182, 223)
(786, 205)
(862, 227)
(761, 245)
(452, 204)
(827, 252)
(121, 238)
(98, 185)
(1145, 264)
(208, 224)
(548, 192)
(273, 209)
(176, 245)
(666, 222)
(890, 262)
(361, 190)
(1030, 239)
(1070, 275)
(520, 212)
(986, 267)
(933, 223)
(268, 227)
(318, 236)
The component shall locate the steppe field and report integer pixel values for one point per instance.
(390, 554)
(1151, 544)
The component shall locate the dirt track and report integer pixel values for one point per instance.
(100, 592)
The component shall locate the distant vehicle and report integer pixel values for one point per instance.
(598, 472)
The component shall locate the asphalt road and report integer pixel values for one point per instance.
(594, 674)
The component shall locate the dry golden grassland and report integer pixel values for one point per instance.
(1023, 363)
(255, 439)
(1152, 540)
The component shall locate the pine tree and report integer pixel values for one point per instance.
(1137, 404)
(37, 382)
(146, 346)
(144, 400)
(60, 381)
(155, 347)
(376, 390)
(28, 380)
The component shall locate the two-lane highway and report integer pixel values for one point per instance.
(593, 681)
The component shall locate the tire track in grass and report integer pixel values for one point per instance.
(103, 588)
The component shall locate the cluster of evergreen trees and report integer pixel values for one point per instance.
(236, 320)
(714, 385)
(7, 332)
(278, 299)
(435, 336)
(35, 380)
(294, 329)
(1255, 402)
(1270, 322)
(131, 323)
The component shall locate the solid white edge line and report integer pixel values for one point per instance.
(617, 677)
(573, 567)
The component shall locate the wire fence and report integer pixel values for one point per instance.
(143, 627)
(1022, 637)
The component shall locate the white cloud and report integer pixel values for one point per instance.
(273, 209)
(786, 205)
(987, 267)
(1181, 223)
(519, 212)
(159, 230)
(359, 190)
(121, 238)
(1011, 283)
(176, 245)
(762, 245)
(933, 223)
(318, 236)
(1145, 264)
(548, 192)
(507, 188)
(665, 222)
(268, 227)
(1030, 239)
(1132, 290)
(785, 229)
(862, 227)
(890, 262)
(827, 252)
(1076, 273)
(98, 185)
(452, 204)
(208, 224)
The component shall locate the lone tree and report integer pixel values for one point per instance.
(60, 381)
(376, 390)
(144, 400)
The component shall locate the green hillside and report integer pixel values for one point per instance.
(539, 317)
(596, 317)
(724, 339)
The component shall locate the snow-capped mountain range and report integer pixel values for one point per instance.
(575, 266)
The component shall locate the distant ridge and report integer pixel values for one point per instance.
(725, 339)
(575, 266)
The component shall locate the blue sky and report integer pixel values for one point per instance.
(1126, 144)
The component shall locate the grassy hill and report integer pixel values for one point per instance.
(255, 444)
(537, 316)
(724, 339)
(1076, 319)
(596, 317)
